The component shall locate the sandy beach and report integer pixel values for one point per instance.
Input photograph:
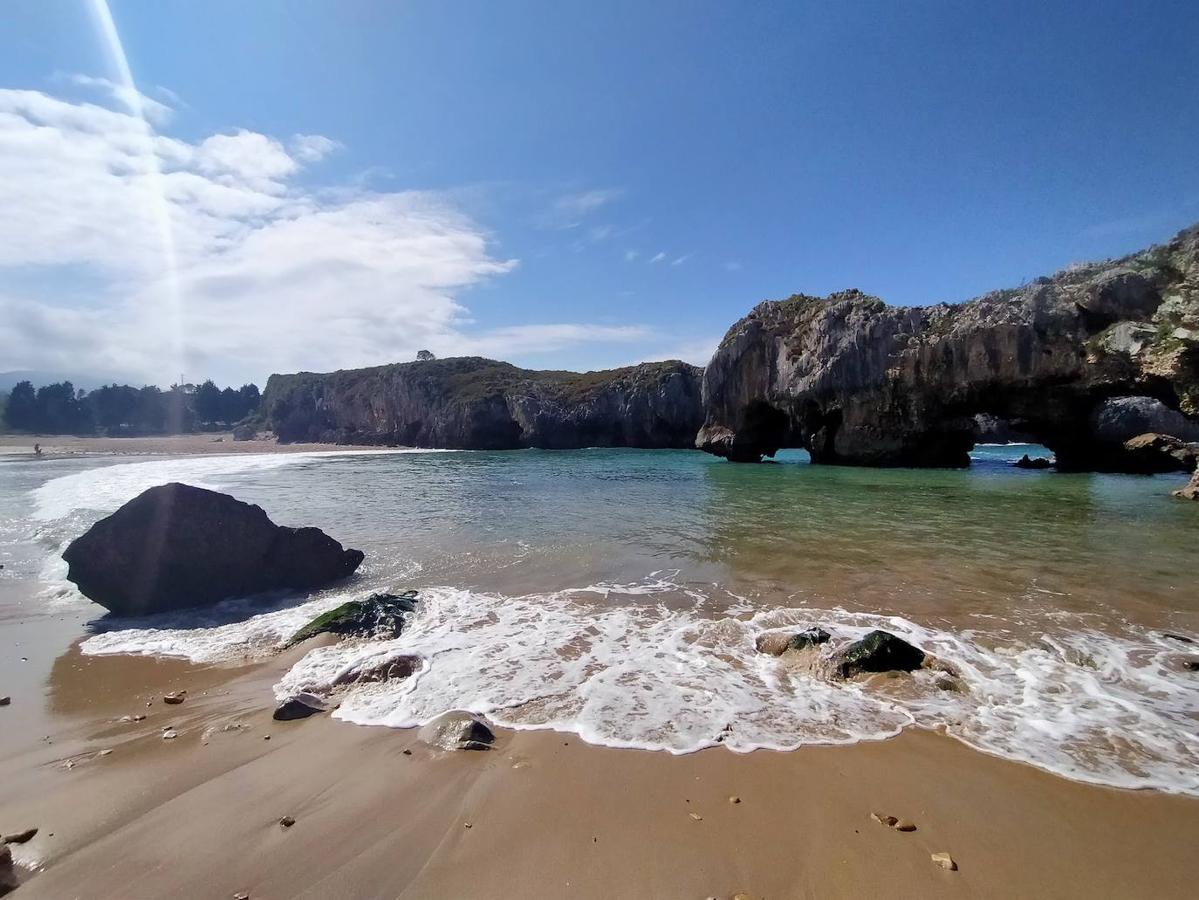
(58, 446)
(123, 813)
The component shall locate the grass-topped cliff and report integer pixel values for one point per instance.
(476, 403)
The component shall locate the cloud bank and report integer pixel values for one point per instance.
(126, 250)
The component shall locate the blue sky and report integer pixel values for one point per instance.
(567, 185)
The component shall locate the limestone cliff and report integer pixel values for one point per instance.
(859, 382)
(481, 404)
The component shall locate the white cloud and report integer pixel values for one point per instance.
(125, 250)
(569, 210)
(678, 261)
(310, 148)
(657, 257)
(132, 99)
(631, 255)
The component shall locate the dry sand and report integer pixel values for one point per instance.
(58, 446)
(548, 815)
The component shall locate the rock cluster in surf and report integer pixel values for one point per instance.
(176, 546)
(856, 381)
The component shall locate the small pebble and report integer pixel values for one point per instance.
(5, 701)
(905, 825)
(169, 734)
(287, 821)
(945, 861)
(734, 799)
(241, 895)
(407, 752)
(266, 737)
(174, 699)
(889, 821)
(105, 752)
(696, 816)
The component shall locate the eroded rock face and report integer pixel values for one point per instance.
(856, 381)
(175, 546)
(480, 404)
(1191, 491)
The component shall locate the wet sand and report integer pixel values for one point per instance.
(541, 815)
(59, 446)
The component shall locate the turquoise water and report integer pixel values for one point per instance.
(618, 593)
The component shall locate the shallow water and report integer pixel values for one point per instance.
(617, 594)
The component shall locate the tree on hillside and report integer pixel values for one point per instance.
(250, 398)
(208, 402)
(425, 356)
(59, 411)
(21, 413)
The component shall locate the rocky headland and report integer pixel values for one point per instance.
(480, 404)
(1081, 361)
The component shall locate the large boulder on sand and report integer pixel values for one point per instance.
(175, 546)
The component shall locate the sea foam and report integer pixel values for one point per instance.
(664, 663)
(652, 665)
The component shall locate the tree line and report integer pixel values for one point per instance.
(117, 409)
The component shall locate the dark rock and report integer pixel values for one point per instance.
(1191, 491)
(245, 432)
(21, 837)
(379, 616)
(174, 698)
(301, 706)
(1027, 462)
(287, 821)
(1154, 453)
(1120, 418)
(176, 546)
(857, 382)
(8, 875)
(390, 670)
(5, 701)
(778, 643)
(1181, 638)
(879, 651)
(1191, 665)
(480, 404)
(457, 731)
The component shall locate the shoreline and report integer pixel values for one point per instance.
(15, 446)
(380, 814)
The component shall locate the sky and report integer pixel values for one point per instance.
(231, 189)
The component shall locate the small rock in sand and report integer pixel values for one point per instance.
(696, 816)
(175, 697)
(21, 837)
(945, 861)
(905, 825)
(1191, 665)
(287, 821)
(105, 752)
(734, 799)
(241, 895)
(301, 706)
(889, 821)
(1177, 637)
(169, 734)
(456, 731)
(5, 701)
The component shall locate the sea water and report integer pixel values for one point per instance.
(617, 594)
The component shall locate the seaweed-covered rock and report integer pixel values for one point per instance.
(777, 643)
(457, 731)
(879, 651)
(379, 615)
(175, 546)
